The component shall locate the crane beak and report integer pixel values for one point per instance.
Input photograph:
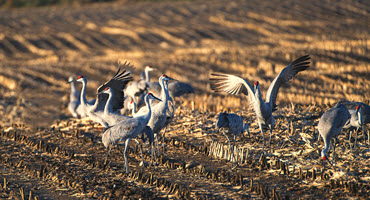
(74, 80)
(156, 98)
(102, 92)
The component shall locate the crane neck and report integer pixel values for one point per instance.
(163, 92)
(73, 95)
(326, 147)
(258, 95)
(83, 93)
(133, 108)
(108, 105)
(148, 115)
(360, 117)
(168, 98)
(147, 76)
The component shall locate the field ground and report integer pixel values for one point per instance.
(47, 152)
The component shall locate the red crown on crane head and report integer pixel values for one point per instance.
(256, 83)
(79, 77)
(357, 107)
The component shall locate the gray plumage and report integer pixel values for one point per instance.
(74, 99)
(234, 125)
(128, 129)
(111, 117)
(74, 105)
(159, 111)
(263, 109)
(360, 113)
(177, 89)
(365, 109)
(330, 124)
(118, 82)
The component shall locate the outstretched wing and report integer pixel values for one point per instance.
(284, 76)
(230, 84)
(117, 83)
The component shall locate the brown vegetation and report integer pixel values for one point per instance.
(41, 47)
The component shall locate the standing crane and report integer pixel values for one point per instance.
(159, 116)
(74, 99)
(109, 116)
(360, 116)
(234, 124)
(330, 125)
(127, 130)
(356, 121)
(263, 109)
(118, 82)
(74, 105)
(136, 90)
(175, 89)
(113, 118)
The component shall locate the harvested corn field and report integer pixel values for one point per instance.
(46, 153)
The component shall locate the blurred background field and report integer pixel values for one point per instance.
(41, 46)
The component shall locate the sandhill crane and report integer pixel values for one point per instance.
(330, 125)
(109, 116)
(113, 118)
(159, 111)
(136, 90)
(170, 113)
(132, 107)
(351, 105)
(128, 129)
(175, 89)
(118, 82)
(361, 119)
(236, 85)
(234, 124)
(74, 99)
(74, 105)
(356, 121)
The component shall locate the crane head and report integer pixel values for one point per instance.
(166, 78)
(80, 78)
(132, 105)
(71, 79)
(106, 90)
(149, 68)
(256, 83)
(151, 96)
(325, 157)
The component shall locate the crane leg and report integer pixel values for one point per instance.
(143, 163)
(106, 157)
(350, 137)
(164, 133)
(156, 143)
(125, 154)
(334, 144)
(368, 136)
(263, 137)
(270, 137)
(153, 153)
(227, 137)
(232, 150)
(355, 145)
